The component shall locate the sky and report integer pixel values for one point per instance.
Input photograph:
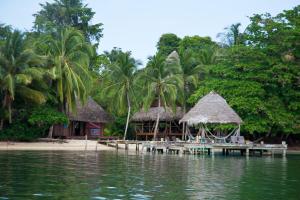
(136, 25)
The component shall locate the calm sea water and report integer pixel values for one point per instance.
(112, 175)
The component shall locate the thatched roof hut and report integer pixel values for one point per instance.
(90, 112)
(166, 114)
(211, 109)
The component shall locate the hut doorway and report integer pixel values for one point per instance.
(79, 128)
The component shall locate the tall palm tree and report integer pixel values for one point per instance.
(190, 69)
(163, 80)
(18, 69)
(70, 56)
(119, 83)
(232, 36)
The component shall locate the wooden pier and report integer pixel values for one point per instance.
(212, 148)
(125, 143)
(198, 148)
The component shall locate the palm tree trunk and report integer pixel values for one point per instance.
(157, 121)
(50, 133)
(7, 104)
(9, 111)
(128, 115)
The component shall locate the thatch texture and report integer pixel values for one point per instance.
(166, 114)
(90, 112)
(211, 109)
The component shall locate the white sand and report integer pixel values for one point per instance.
(68, 145)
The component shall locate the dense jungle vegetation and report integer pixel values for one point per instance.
(43, 71)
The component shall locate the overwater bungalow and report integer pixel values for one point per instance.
(211, 109)
(144, 123)
(89, 120)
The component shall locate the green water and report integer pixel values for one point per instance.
(111, 175)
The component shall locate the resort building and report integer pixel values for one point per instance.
(89, 120)
(169, 128)
(212, 109)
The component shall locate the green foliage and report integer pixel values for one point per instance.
(47, 116)
(63, 13)
(167, 43)
(18, 70)
(118, 81)
(19, 131)
(162, 79)
(256, 70)
(117, 127)
(232, 35)
(70, 55)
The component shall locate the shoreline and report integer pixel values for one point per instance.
(76, 145)
(65, 145)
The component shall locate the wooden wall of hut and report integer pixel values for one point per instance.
(169, 130)
(78, 130)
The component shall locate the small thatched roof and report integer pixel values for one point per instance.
(90, 112)
(166, 114)
(212, 109)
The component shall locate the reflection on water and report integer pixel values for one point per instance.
(112, 175)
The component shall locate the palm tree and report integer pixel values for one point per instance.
(119, 83)
(17, 72)
(190, 69)
(232, 36)
(163, 80)
(70, 56)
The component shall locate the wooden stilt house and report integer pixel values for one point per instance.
(144, 123)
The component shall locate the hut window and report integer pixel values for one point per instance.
(95, 131)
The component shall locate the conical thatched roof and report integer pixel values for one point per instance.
(213, 109)
(166, 114)
(90, 112)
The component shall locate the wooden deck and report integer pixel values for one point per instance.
(210, 149)
(198, 148)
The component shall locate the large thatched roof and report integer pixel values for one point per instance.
(213, 109)
(90, 112)
(166, 114)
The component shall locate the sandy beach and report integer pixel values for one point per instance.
(65, 145)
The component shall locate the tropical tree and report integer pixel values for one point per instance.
(61, 13)
(18, 70)
(163, 80)
(232, 35)
(119, 82)
(168, 43)
(70, 56)
(190, 69)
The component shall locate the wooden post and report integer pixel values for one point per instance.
(85, 142)
(227, 152)
(247, 152)
(183, 131)
(126, 145)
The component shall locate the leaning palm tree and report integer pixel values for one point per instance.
(119, 83)
(17, 63)
(70, 56)
(163, 80)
